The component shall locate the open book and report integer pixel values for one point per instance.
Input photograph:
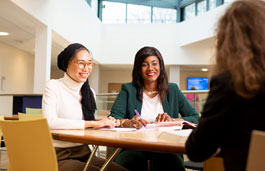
(174, 125)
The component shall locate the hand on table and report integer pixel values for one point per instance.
(117, 121)
(127, 123)
(143, 122)
(163, 117)
(108, 123)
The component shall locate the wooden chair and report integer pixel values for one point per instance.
(25, 117)
(33, 110)
(256, 153)
(213, 164)
(29, 145)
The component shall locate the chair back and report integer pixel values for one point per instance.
(33, 110)
(25, 117)
(256, 153)
(29, 145)
(1, 118)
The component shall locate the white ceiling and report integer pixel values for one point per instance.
(21, 28)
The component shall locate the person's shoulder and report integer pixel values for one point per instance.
(53, 83)
(221, 79)
(128, 85)
(222, 82)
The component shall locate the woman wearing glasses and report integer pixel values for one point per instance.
(69, 103)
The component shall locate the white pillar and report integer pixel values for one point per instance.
(42, 65)
(174, 74)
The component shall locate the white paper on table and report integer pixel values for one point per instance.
(174, 135)
(184, 132)
(118, 129)
(154, 127)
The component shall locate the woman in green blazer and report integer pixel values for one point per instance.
(157, 101)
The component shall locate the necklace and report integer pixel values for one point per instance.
(151, 92)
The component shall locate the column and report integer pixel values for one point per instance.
(42, 64)
(174, 74)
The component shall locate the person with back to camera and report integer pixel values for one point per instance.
(156, 100)
(69, 103)
(235, 105)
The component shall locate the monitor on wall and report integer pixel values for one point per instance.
(199, 83)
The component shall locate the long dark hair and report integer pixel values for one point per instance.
(137, 80)
(88, 100)
(240, 46)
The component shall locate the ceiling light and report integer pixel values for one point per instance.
(204, 69)
(3, 33)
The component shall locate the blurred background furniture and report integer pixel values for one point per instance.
(33, 110)
(24, 116)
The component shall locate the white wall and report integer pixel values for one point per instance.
(111, 76)
(118, 43)
(17, 67)
(200, 27)
(122, 41)
(185, 43)
(72, 19)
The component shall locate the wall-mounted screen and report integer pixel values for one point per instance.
(199, 83)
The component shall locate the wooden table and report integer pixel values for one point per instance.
(148, 140)
(140, 140)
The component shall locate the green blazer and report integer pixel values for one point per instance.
(175, 103)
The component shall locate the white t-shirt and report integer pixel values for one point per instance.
(151, 107)
(61, 105)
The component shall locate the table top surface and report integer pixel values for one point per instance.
(148, 140)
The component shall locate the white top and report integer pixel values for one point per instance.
(151, 107)
(61, 105)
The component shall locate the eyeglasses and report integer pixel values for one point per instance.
(82, 64)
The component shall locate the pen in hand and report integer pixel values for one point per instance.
(138, 115)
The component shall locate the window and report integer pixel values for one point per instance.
(189, 11)
(228, 1)
(138, 14)
(164, 15)
(154, 11)
(212, 4)
(113, 12)
(201, 7)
